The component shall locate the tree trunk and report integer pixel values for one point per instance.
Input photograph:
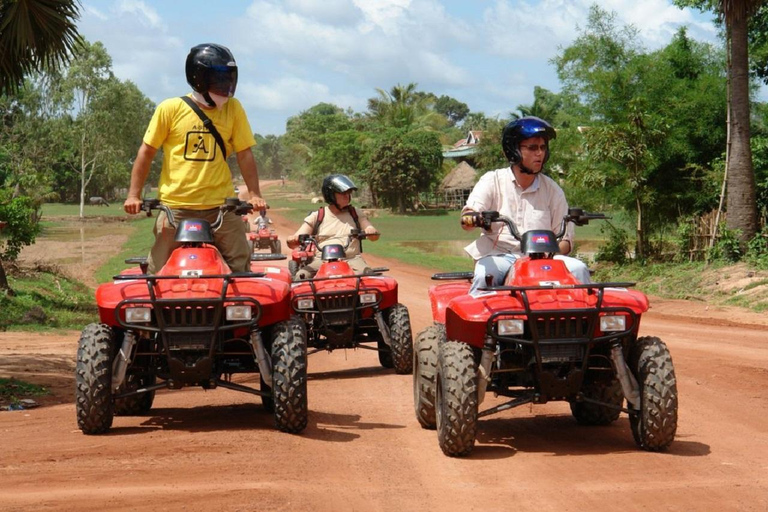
(741, 199)
(401, 204)
(4, 281)
(640, 242)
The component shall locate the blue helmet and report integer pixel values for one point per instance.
(521, 129)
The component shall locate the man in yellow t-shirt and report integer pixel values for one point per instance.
(195, 179)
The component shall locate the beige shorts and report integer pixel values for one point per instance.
(229, 239)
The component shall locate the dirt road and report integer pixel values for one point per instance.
(364, 450)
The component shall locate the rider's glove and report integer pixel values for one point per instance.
(472, 219)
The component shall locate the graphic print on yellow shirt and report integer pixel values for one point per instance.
(200, 147)
(194, 174)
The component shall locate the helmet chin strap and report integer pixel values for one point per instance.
(526, 170)
(204, 98)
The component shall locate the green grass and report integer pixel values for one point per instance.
(45, 300)
(139, 243)
(73, 210)
(12, 390)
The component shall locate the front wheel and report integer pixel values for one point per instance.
(424, 373)
(289, 375)
(400, 335)
(293, 267)
(93, 377)
(275, 247)
(655, 424)
(456, 398)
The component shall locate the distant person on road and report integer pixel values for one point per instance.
(333, 224)
(531, 199)
(262, 221)
(195, 179)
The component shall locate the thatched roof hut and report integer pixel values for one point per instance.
(461, 177)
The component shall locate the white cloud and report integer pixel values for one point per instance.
(293, 95)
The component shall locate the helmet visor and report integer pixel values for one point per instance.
(223, 80)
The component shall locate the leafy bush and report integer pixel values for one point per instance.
(757, 249)
(726, 247)
(616, 248)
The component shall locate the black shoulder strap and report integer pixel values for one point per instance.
(207, 123)
(353, 213)
(320, 217)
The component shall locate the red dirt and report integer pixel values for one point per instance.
(364, 450)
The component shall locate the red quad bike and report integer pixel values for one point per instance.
(541, 337)
(302, 255)
(344, 310)
(194, 323)
(265, 238)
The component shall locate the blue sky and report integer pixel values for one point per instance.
(293, 54)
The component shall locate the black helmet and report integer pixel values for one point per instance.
(521, 129)
(211, 68)
(336, 183)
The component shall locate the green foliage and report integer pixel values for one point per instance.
(34, 36)
(757, 249)
(44, 299)
(616, 248)
(454, 110)
(21, 228)
(727, 247)
(404, 164)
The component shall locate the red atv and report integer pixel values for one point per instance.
(344, 310)
(302, 255)
(264, 238)
(194, 323)
(541, 337)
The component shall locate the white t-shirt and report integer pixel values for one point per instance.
(335, 229)
(540, 206)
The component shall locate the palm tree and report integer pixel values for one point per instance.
(403, 107)
(742, 204)
(34, 35)
(741, 197)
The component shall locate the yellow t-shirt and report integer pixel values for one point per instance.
(195, 175)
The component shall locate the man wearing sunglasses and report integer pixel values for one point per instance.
(520, 192)
(196, 133)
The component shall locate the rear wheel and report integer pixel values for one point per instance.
(456, 398)
(606, 391)
(93, 376)
(655, 424)
(424, 373)
(136, 404)
(289, 375)
(402, 339)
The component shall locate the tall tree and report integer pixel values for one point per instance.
(741, 196)
(34, 35)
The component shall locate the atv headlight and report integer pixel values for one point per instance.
(238, 312)
(612, 323)
(511, 326)
(305, 303)
(138, 315)
(367, 298)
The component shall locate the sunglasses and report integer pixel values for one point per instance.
(535, 147)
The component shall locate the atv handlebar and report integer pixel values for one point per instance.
(232, 204)
(304, 240)
(576, 215)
